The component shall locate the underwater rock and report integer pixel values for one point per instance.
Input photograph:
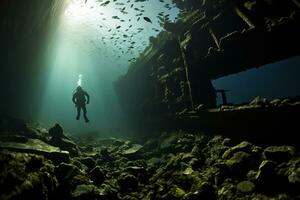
(106, 156)
(65, 172)
(133, 152)
(139, 172)
(258, 101)
(293, 171)
(38, 147)
(60, 140)
(243, 146)
(127, 182)
(214, 150)
(167, 143)
(150, 144)
(79, 179)
(227, 190)
(177, 166)
(294, 177)
(83, 192)
(266, 178)
(240, 163)
(204, 191)
(88, 161)
(26, 176)
(245, 186)
(279, 153)
(97, 175)
(178, 192)
(86, 192)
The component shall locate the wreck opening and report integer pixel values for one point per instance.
(244, 86)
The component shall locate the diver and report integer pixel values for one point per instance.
(80, 99)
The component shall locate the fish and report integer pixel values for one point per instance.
(147, 19)
(105, 3)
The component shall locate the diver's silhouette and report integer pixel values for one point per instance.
(80, 99)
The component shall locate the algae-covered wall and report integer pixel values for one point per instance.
(25, 29)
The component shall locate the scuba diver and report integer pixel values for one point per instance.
(80, 99)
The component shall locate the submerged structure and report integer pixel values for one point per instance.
(211, 39)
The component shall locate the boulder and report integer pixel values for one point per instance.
(267, 179)
(86, 192)
(60, 140)
(106, 156)
(294, 177)
(266, 169)
(178, 192)
(37, 147)
(88, 161)
(134, 152)
(203, 191)
(243, 146)
(240, 163)
(293, 172)
(139, 172)
(259, 101)
(65, 172)
(279, 153)
(151, 144)
(226, 191)
(168, 143)
(26, 176)
(127, 182)
(97, 175)
(245, 186)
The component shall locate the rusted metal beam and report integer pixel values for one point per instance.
(186, 74)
